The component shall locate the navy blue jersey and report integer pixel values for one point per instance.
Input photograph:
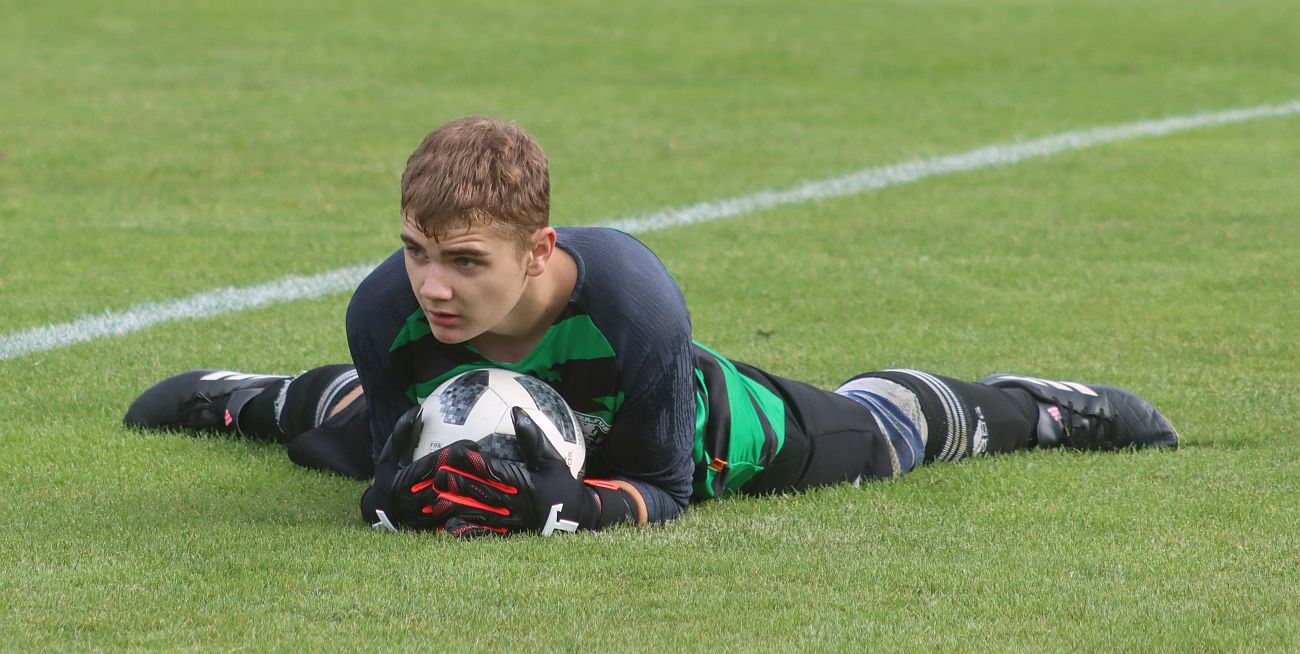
(620, 354)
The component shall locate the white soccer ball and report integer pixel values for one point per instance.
(476, 405)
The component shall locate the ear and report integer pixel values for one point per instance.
(540, 250)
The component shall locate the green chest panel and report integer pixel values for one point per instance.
(573, 357)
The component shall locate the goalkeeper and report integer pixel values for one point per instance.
(483, 280)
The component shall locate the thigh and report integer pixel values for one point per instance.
(829, 439)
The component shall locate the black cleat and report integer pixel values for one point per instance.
(1090, 417)
(198, 399)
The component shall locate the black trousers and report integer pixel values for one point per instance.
(829, 439)
(340, 444)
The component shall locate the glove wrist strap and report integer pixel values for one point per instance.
(615, 505)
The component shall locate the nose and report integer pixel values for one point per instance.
(434, 286)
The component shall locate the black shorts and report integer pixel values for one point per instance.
(829, 439)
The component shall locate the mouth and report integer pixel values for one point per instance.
(443, 318)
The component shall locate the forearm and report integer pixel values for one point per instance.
(654, 503)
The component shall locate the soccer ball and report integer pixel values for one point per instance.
(476, 405)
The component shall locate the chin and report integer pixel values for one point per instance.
(454, 336)
(460, 334)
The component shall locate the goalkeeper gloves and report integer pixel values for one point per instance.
(468, 493)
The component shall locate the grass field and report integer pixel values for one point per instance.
(150, 151)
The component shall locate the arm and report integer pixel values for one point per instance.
(639, 307)
(649, 447)
(377, 311)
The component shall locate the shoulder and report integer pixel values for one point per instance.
(599, 241)
(628, 294)
(385, 284)
(606, 251)
(618, 276)
(380, 306)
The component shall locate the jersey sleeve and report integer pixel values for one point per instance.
(650, 443)
(639, 307)
(378, 310)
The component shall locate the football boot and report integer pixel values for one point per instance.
(1090, 417)
(207, 400)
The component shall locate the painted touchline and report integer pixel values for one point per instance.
(234, 299)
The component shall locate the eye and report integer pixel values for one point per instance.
(466, 263)
(413, 251)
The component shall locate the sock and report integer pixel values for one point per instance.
(960, 418)
(308, 398)
(257, 419)
(286, 409)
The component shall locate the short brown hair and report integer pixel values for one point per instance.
(476, 171)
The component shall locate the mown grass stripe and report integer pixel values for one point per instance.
(234, 299)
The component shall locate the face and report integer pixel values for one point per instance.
(472, 281)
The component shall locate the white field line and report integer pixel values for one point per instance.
(233, 299)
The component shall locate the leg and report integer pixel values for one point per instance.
(954, 419)
(829, 439)
(340, 444)
(320, 414)
(1006, 412)
(884, 424)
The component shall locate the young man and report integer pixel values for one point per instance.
(483, 280)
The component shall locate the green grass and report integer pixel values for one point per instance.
(149, 151)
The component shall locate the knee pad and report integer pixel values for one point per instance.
(898, 411)
(950, 428)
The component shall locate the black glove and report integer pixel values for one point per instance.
(412, 501)
(488, 496)
(376, 502)
(403, 492)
